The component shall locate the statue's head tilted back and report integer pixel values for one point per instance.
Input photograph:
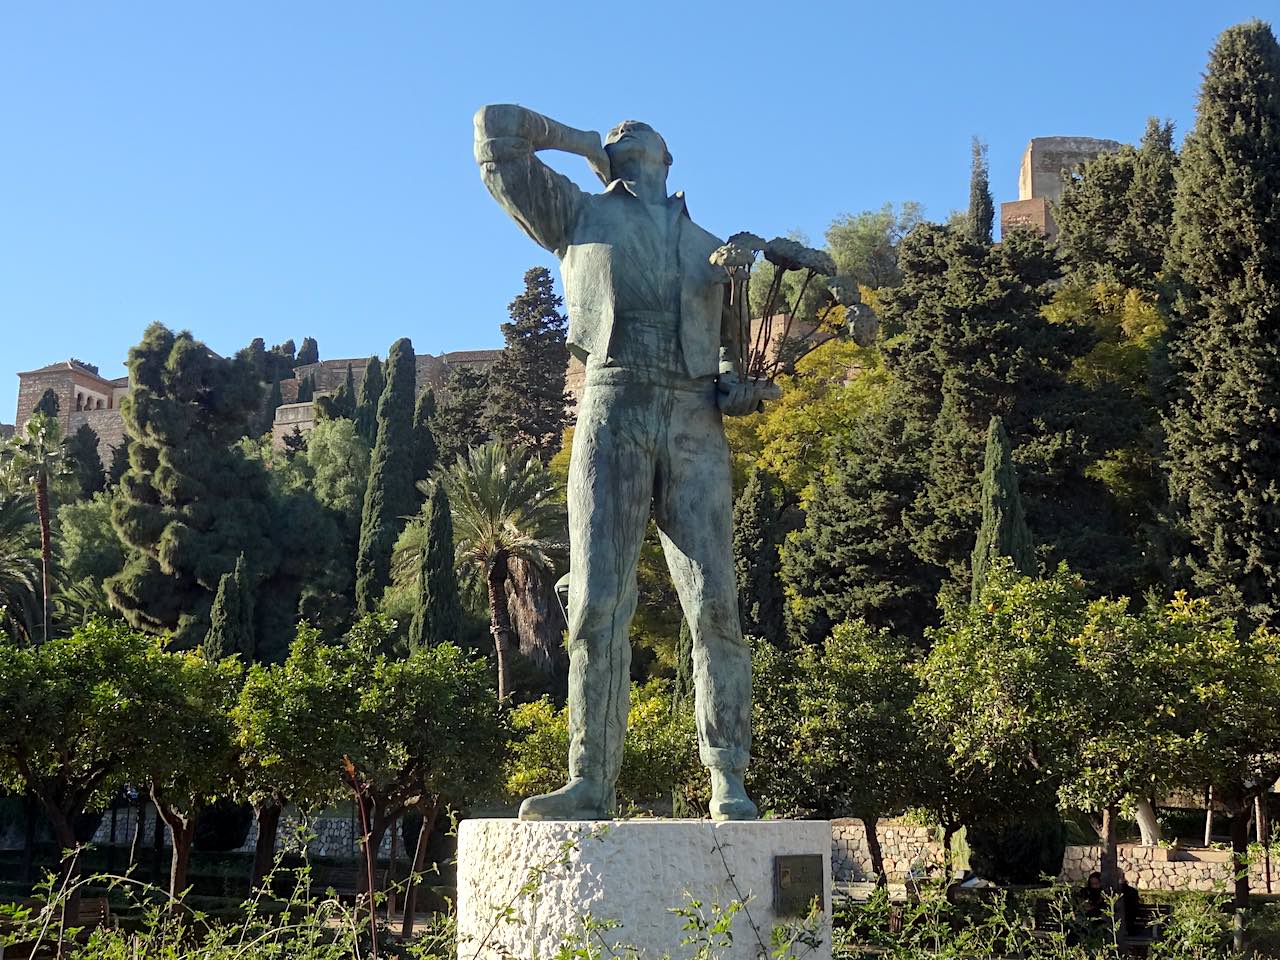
(635, 149)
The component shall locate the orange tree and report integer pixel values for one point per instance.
(78, 712)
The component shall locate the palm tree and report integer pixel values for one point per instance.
(32, 458)
(19, 569)
(506, 509)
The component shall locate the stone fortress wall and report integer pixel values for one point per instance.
(84, 397)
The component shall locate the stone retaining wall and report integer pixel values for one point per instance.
(906, 848)
(335, 836)
(1163, 868)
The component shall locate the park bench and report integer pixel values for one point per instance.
(1146, 929)
(94, 912)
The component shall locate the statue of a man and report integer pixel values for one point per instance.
(647, 317)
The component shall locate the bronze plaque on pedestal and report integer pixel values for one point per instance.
(797, 882)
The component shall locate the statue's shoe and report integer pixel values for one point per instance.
(729, 800)
(579, 799)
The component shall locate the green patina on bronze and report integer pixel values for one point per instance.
(647, 317)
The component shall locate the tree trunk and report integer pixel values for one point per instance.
(1148, 824)
(949, 831)
(46, 548)
(138, 821)
(183, 831)
(111, 845)
(264, 850)
(873, 848)
(1240, 850)
(537, 623)
(500, 624)
(157, 849)
(69, 868)
(30, 808)
(1110, 867)
(419, 860)
(389, 884)
(1264, 836)
(1208, 815)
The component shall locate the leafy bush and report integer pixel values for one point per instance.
(660, 754)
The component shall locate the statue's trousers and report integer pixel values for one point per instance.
(638, 444)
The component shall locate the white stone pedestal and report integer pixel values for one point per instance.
(525, 887)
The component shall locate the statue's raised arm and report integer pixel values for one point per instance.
(542, 201)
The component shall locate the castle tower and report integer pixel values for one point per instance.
(1045, 166)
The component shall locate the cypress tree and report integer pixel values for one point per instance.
(280, 361)
(1116, 213)
(526, 403)
(1004, 530)
(458, 424)
(437, 616)
(306, 389)
(366, 411)
(1148, 223)
(1223, 417)
(347, 407)
(86, 464)
(757, 533)
(424, 441)
(274, 399)
(47, 404)
(982, 211)
(390, 496)
(119, 462)
(231, 617)
(309, 352)
(190, 502)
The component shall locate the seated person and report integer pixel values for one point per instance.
(1090, 896)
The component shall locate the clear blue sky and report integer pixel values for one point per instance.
(285, 169)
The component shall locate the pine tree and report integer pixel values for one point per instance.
(853, 557)
(982, 211)
(458, 424)
(1004, 530)
(437, 616)
(366, 412)
(390, 496)
(309, 352)
(424, 441)
(86, 464)
(1223, 441)
(757, 533)
(231, 617)
(526, 404)
(47, 404)
(977, 345)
